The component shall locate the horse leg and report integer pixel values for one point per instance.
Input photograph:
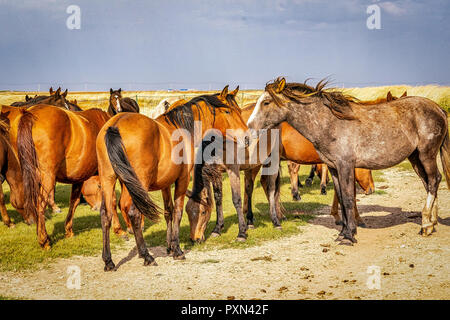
(74, 201)
(217, 189)
(106, 209)
(249, 176)
(335, 208)
(365, 180)
(51, 200)
(47, 183)
(4, 212)
(136, 221)
(323, 179)
(344, 181)
(168, 216)
(181, 186)
(125, 202)
(273, 190)
(310, 178)
(429, 212)
(293, 169)
(233, 174)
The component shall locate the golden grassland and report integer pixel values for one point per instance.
(149, 99)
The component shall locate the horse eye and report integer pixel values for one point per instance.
(266, 103)
(203, 212)
(227, 112)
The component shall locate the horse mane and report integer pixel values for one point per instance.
(336, 101)
(4, 129)
(182, 115)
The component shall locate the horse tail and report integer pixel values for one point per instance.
(122, 167)
(28, 163)
(445, 158)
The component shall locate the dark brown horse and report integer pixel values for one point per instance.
(147, 155)
(118, 104)
(55, 145)
(362, 136)
(56, 98)
(10, 171)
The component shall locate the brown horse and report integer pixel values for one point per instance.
(91, 190)
(362, 136)
(140, 152)
(118, 104)
(10, 171)
(55, 145)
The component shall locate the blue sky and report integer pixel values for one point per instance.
(207, 44)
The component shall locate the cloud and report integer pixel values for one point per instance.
(393, 8)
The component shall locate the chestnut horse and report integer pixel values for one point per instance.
(148, 155)
(10, 171)
(55, 145)
(118, 104)
(362, 136)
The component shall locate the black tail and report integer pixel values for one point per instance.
(28, 163)
(127, 175)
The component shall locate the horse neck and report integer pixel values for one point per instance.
(310, 120)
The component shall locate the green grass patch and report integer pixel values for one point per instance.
(19, 249)
(404, 166)
(210, 261)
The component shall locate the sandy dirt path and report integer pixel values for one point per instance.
(310, 265)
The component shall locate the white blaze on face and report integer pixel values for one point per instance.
(118, 104)
(65, 104)
(257, 108)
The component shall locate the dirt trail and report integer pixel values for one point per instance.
(305, 266)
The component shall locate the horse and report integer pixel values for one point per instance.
(118, 104)
(199, 204)
(91, 191)
(140, 152)
(10, 171)
(364, 178)
(55, 144)
(349, 135)
(162, 107)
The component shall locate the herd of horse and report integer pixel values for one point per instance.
(49, 139)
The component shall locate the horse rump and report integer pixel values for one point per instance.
(122, 167)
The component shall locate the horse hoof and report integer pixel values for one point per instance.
(69, 234)
(215, 235)
(130, 231)
(296, 197)
(346, 242)
(11, 225)
(308, 182)
(323, 191)
(149, 261)
(278, 227)
(362, 225)
(179, 257)
(250, 226)
(109, 266)
(241, 239)
(169, 251)
(46, 246)
(426, 231)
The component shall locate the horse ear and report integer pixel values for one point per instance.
(224, 92)
(58, 92)
(389, 96)
(110, 91)
(281, 85)
(51, 90)
(75, 101)
(120, 90)
(65, 94)
(404, 94)
(235, 91)
(27, 98)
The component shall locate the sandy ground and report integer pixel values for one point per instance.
(310, 265)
